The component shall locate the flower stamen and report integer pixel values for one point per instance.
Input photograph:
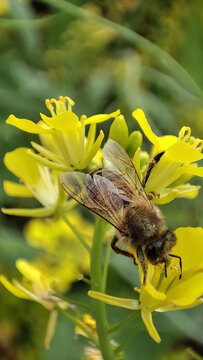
(196, 143)
(60, 105)
(50, 107)
(184, 133)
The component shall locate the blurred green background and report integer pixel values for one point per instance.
(50, 48)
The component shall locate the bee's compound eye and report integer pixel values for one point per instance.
(154, 251)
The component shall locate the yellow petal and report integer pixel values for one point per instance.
(92, 151)
(39, 212)
(193, 169)
(184, 190)
(69, 137)
(101, 117)
(171, 166)
(112, 300)
(183, 152)
(163, 174)
(15, 189)
(13, 289)
(184, 293)
(33, 274)
(46, 153)
(188, 191)
(171, 306)
(22, 165)
(65, 121)
(154, 293)
(147, 319)
(165, 199)
(165, 142)
(45, 162)
(189, 246)
(139, 115)
(26, 125)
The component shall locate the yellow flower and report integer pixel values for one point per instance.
(64, 144)
(177, 164)
(39, 288)
(35, 286)
(88, 322)
(37, 181)
(92, 353)
(64, 258)
(166, 294)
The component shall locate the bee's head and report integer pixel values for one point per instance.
(157, 251)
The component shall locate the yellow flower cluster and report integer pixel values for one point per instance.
(36, 287)
(64, 147)
(67, 145)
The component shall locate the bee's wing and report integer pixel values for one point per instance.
(119, 162)
(120, 182)
(96, 193)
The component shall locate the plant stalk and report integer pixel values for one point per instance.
(97, 285)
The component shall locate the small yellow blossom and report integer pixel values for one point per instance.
(166, 294)
(88, 322)
(64, 144)
(64, 258)
(92, 353)
(36, 181)
(37, 287)
(177, 164)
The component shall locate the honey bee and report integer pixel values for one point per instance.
(116, 194)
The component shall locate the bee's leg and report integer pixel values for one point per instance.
(180, 264)
(165, 267)
(150, 166)
(141, 259)
(120, 251)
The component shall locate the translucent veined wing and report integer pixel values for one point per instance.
(97, 193)
(117, 160)
(122, 185)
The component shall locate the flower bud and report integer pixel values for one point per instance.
(134, 141)
(119, 131)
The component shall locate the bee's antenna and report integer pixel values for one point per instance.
(180, 264)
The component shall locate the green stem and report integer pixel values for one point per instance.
(105, 266)
(164, 59)
(78, 323)
(73, 301)
(125, 321)
(74, 230)
(24, 23)
(96, 278)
